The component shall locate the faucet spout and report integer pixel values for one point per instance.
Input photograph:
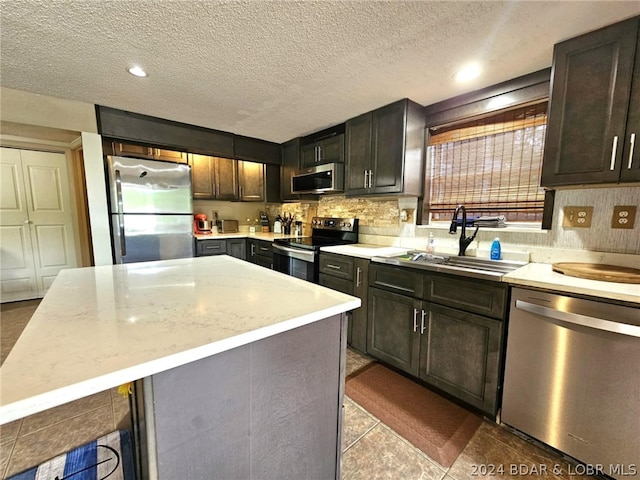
(464, 240)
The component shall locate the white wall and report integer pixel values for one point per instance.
(33, 109)
(97, 198)
(40, 111)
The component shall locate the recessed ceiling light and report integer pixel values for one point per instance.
(137, 71)
(468, 73)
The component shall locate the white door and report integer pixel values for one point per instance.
(36, 221)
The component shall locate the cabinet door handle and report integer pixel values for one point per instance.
(240, 191)
(632, 141)
(319, 153)
(358, 272)
(335, 267)
(614, 150)
(253, 249)
(422, 326)
(415, 319)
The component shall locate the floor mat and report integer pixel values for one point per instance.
(109, 457)
(438, 427)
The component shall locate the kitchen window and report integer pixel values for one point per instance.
(490, 165)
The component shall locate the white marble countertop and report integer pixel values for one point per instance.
(100, 327)
(541, 275)
(363, 250)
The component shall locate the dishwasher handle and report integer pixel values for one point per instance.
(578, 319)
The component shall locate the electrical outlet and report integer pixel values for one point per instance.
(577, 217)
(624, 216)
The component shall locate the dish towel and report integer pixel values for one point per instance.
(109, 458)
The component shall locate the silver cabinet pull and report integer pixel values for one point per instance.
(358, 280)
(319, 153)
(415, 319)
(365, 178)
(335, 267)
(253, 249)
(422, 325)
(614, 150)
(632, 142)
(370, 178)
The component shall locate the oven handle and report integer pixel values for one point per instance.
(304, 255)
(577, 319)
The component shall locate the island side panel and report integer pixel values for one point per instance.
(296, 403)
(201, 416)
(268, 410)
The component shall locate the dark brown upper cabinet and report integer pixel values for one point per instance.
(594, 110)
(214, 177)
(290, 164)
(385, 151)
(327, 150)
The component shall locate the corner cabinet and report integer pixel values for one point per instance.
(385, 151)
(593, 127)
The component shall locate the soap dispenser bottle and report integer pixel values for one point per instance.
(496, 250)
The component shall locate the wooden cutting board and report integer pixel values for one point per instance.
(598, 271)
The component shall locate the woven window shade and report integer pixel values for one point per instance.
(491, 166)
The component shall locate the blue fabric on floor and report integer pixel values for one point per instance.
(108, 458)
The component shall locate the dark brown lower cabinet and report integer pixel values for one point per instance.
(348, 275)
(237, 247)
(392, 332)
(460, 354)
(260, 252)
(457, 351)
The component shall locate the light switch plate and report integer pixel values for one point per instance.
(624, 216)
(577, 217)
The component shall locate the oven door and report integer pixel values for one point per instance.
(296, 262)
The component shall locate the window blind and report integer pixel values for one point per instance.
(491, 166)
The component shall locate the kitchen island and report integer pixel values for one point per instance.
(239, 370)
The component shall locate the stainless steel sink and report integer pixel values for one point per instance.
(466, 266)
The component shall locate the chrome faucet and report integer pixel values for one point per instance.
(464, 240)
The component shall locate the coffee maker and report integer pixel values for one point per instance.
(201, 226)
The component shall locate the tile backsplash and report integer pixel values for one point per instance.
(381, 223)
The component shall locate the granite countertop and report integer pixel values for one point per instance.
(100, 327)
(541, 275)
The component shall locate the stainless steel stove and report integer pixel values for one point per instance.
(299, 256)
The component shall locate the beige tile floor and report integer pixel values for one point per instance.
(371, 450)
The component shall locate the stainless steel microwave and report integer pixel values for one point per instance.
(328, 178)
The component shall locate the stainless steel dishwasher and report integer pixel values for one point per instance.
(572, 378)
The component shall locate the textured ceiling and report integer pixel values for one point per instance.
(278, 69)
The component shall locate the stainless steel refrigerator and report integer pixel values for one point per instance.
(151, 209)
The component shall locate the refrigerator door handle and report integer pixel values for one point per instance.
(123, 242)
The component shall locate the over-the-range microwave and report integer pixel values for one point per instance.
(328, 178)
